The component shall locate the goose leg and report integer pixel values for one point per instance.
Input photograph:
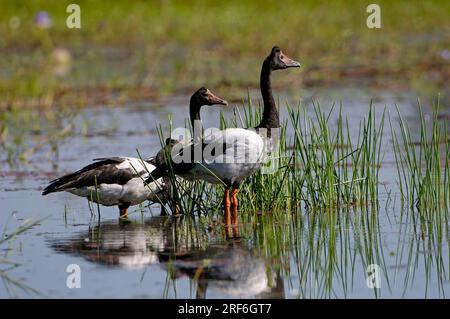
(123, 210)
(234, 218)
(227, 205)
(175, 208)
(202, 285)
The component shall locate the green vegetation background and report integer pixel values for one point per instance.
(148, 48)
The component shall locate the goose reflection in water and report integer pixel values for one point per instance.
(126, 244)
(227, 267)
(230, 268)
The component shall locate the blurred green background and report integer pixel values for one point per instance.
(145, 49)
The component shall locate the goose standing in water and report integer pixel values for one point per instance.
(230, 155)
(120, 180)
(113, 181)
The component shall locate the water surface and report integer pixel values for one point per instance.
(302, 255)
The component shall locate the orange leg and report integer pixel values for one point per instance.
(123, 209)
(234, 204)
(227, 205)
(176, 209)
(124, 213)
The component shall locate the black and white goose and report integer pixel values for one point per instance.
(228, 156)
(120, 180)
(113, 181)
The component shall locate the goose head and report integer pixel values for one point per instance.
(203, 96)
(280, 61)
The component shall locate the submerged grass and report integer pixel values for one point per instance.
(325, 254)
(13, 285)
(24, 133)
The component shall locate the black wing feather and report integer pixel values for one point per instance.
(182, 168)
(102, 171)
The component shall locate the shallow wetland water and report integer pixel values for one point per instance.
(302, 254)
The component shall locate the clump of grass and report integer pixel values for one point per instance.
(314, 165)
(44, 131)
(330, 168)
(317, 166)
(185, 197)
(423, 166)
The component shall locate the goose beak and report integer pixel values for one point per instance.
(213, 99)
(289, 63)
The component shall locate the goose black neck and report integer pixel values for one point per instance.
(270, 117)
(196, 121)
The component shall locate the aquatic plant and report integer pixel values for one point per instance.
(13, 285)
(423, 168)
(314, 166)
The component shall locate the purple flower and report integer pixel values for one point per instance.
(43, 20)
(445, 54)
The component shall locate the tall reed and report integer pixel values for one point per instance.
(423, 171)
